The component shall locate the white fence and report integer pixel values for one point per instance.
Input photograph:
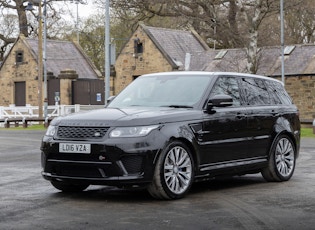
(27, 111)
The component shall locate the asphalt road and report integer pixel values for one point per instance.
(27, 201)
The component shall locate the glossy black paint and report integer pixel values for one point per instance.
(224, 140)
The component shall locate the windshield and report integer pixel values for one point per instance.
(156, 91)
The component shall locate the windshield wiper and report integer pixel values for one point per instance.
(177, 106)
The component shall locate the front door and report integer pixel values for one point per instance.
(19, 93)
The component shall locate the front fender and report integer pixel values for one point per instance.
(185, 134)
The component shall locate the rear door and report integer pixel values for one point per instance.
(262, 116)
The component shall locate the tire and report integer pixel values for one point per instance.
(282, 159)
(68, 187)
(174, 172)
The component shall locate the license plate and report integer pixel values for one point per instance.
(74, 148)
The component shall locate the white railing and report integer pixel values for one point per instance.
(13, 111)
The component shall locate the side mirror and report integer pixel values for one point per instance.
(220, 100)
(110, 99)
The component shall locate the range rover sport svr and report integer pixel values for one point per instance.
(165, 131)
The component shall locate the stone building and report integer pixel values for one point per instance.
(299, 69)
(151, 49)
(66, 62)
(148, 50)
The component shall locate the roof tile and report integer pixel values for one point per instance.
(62, 55)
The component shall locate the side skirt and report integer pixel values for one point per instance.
(232, 167)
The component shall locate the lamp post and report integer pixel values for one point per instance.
(282, 41)
(107, 52)
(77, 20)
(40, 56)
(45, 61)
(42, 51)
(84, 2)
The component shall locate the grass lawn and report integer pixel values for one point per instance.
(30, 127)
(307, 132)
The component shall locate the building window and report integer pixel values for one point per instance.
(138, 46)
(221, 54)
(19, 57)
(288, 50)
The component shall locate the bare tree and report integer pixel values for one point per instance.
(8, 32)
(255, 12)
(19, 7)
(221, 23)
(300, 22)
(208, 18)
(7, 38)
(226, 23)
(24, 23)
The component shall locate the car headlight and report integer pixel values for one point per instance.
(138, 131)
(51, 130)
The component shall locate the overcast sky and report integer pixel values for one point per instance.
(84, 10)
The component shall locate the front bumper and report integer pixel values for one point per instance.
(127, 163)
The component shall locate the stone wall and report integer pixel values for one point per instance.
(302, 91)
(300, 88)
(66, 77)
(25, 71)
(130, 64)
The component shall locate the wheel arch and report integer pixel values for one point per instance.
(271, 172)
(185, 136)
(189, 144)
(284, 127)
(160, 187)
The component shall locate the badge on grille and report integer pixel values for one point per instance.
(97, 134)
(101, 158)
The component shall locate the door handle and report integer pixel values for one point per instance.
(274, 113)
(240, 115)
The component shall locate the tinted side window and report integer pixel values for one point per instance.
(227, 86)
(278, 93)
(273, 93)
(255, 92)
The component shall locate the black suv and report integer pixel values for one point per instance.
(167, 130)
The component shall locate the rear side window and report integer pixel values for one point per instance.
(255, 92)
(228, 86)
(278, 93)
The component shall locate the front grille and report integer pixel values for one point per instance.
(133, 164)
(79, 133)
(77, 171)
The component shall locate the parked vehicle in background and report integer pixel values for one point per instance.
(167, 130)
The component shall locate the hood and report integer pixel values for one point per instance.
(128, 116)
